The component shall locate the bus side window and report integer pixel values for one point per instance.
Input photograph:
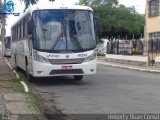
(29, 24)
(23, 28)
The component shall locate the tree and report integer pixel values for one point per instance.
(98, 2)
(117, 20)
(3, 21)
(28, 2)
(84, 2)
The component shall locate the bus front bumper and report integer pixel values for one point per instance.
(47, 69)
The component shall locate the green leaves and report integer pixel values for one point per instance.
(117, 20)
(28, 2)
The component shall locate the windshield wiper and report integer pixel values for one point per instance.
(44, 31)
(60, 36)
(75, 35)
(78, 43)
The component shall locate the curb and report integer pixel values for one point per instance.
(131, 68)
(17, 76)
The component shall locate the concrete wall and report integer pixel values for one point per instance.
(152, 24)
(131, 60)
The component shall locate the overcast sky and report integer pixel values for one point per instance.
(139, 4)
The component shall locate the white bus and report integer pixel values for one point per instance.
(55, 41)
(7, 46)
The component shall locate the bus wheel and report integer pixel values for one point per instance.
(78, 77)
(16, 67)
(30, 78)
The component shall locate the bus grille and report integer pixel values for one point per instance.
(73, 71)
(67, 61)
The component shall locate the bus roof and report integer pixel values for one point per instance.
(51, 6)
(59, 6)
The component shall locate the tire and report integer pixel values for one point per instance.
(78, 77)
(30, 78)
(16, 67)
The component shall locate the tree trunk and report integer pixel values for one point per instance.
(3, 32)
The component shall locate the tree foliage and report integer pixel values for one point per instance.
(28, 2)
(117, 21)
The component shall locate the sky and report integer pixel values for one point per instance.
(139, 5)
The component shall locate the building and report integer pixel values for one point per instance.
(152, 29)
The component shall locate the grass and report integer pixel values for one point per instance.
(18, 87)
(32, 102)
(34, 105)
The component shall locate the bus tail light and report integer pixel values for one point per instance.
(39, 58)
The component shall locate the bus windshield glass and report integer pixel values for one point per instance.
(63, 30)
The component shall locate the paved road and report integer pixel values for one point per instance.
(111, 90)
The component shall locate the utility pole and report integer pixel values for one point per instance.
(3, 30)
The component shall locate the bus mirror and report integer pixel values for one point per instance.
(98, 30)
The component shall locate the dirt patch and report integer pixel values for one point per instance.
(48, 103)
(6, 82)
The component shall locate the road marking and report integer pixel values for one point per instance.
(25, 86)
(8, 64)
(154, 71)
(131, 68)
(17, 76)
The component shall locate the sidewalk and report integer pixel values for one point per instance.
(5, 84)
(152, 69)
(14, 104)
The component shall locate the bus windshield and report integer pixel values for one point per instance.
(63, 30)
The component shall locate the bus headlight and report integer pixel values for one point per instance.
(39, 58)
(91, 57)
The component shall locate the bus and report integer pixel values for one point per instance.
(7, 46)
(55, 41)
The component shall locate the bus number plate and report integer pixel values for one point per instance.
(66, 67)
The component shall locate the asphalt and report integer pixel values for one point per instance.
(111, 90)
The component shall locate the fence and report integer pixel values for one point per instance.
(141, 47)
(150, 48)
(128, 47)
(154, 50)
